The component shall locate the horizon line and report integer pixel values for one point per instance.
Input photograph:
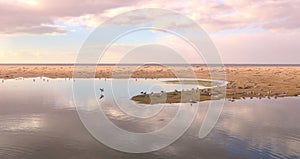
(155, 64)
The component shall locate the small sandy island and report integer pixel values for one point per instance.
(244, 81)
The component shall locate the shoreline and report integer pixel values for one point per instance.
(195, 96)
(244, 81)
(11, 71)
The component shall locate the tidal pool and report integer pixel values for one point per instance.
(38, 119)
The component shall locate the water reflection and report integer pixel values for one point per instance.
(262, 128)
(21, 123)
(38, 120)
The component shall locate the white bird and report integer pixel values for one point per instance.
(161, 93)
(231, 99)
(192, 101)
(151, 94)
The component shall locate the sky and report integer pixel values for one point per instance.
(244, 32)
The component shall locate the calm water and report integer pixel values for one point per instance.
(39, 120)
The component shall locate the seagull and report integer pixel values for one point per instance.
(192, 101)
(269, 92)
(101, 96)
(285, 93)
(161, 93)
(259, 94)
(231, 99)
(101, 89)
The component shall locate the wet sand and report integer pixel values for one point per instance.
(244, 81)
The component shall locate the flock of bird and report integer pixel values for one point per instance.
(232, 99)
(194, 90)
(205, 91)
(268, 95)
(101, 93)
(34, 80)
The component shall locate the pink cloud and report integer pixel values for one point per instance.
(35, 17)
(277, 48)
(268, 14)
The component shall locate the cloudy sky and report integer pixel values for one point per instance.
(248, 31)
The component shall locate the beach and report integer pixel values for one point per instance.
(244, 81)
